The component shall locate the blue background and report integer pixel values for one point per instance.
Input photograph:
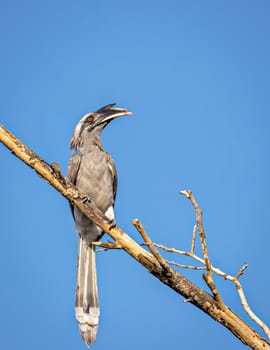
(196, 76)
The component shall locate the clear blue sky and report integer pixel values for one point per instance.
(196, 76)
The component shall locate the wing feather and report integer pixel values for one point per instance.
(113, 173)
(72, 172)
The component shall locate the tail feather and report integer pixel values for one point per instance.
(86, 305)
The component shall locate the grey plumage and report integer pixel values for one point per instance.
(93, 171)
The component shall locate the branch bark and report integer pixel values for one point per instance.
(167, 275)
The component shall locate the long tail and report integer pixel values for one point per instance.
(86, 305)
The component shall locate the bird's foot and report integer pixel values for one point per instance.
(85, 198)
(56, 170)
(112, 224)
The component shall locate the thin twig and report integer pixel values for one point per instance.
(149, 243)
(244, 302)
(193, 240)
(241, 271)
(234, 279)
(209, 276)
(106, 246)
(185, 266)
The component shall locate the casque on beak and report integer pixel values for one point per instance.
(107, 113)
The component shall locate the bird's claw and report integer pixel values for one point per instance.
(85, 198)
(112, 224)
(56, 170)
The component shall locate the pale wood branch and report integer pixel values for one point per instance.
(191, 267)
(193, 239)
(170, 277)
(199, 223)
(217, 271)
(106, 246)
(149, 243)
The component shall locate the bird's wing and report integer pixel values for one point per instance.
(73, 167)
(113, 171)
(72, 171)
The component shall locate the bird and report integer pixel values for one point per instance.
(93, 172)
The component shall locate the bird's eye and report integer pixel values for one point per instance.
(90, 119)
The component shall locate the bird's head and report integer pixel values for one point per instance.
(95, 121)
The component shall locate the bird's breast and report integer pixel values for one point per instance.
(95, 179)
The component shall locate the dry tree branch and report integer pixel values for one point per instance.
(243, 299)
(106, 246)
(193, 239)
(199, 223)
(149, 243)
(191, 267)
(235, 279)
(217, 271)
(224, 315)
(163, 262)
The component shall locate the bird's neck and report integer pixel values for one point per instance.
(90, 142)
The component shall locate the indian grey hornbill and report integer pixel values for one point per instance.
(93, 172)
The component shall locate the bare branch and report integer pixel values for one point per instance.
(226, 276)
(186, 266)
(193, 239)
(169, 277)
(106, 246)
(241, 270)
(149, 243)
(209, 277)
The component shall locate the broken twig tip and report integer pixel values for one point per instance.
(241, 270)
(187, 300)
(186, 193)
(135, 221)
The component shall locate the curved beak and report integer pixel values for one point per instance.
(108, 112)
